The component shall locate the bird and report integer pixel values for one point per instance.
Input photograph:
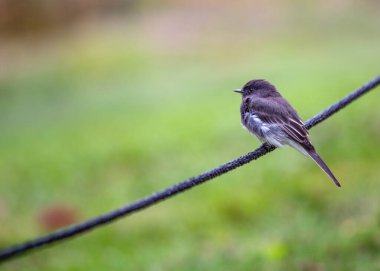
(270, 117)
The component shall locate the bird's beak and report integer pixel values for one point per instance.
(238, 91)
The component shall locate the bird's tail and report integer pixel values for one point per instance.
(314, 155)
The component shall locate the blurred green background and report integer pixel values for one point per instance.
(104, 102)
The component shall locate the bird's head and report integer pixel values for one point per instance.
(260, 87)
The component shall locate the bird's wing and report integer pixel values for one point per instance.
(279, 112)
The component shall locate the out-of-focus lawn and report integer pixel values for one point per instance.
(110, 121)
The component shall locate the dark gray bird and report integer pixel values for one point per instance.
(267, 115)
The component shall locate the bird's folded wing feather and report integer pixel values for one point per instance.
(282, 114)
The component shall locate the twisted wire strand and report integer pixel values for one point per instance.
(71, 231)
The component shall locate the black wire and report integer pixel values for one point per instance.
(19, 249)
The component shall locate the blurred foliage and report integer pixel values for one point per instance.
(113, 110)
(31, 16)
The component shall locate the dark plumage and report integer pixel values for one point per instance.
(267, 115)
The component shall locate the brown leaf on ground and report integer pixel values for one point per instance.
(57, 216)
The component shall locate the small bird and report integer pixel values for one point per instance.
(267, 115)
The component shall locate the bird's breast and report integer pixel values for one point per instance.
(255, 125)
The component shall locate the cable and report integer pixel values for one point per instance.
(66, 233)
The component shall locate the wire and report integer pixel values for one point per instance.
(66, 233)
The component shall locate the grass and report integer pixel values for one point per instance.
(108, 122)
